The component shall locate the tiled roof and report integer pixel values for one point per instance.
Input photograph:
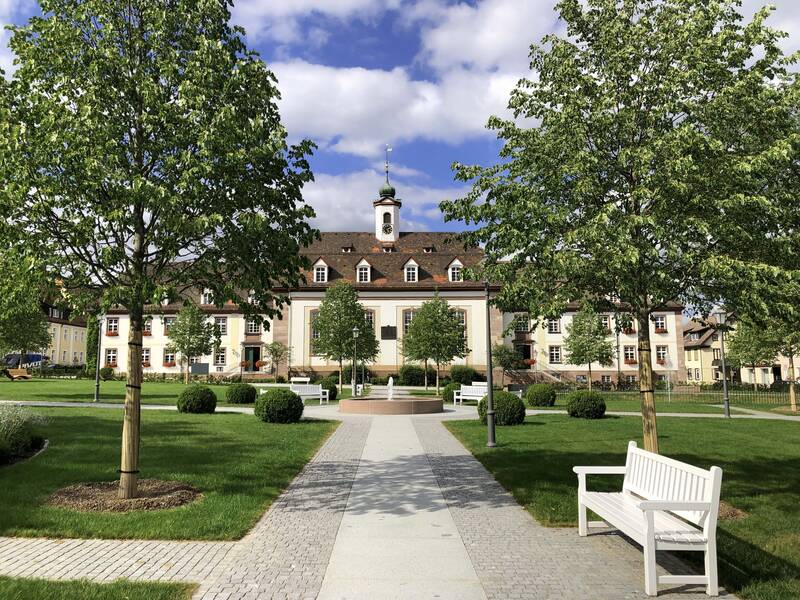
(387, 267)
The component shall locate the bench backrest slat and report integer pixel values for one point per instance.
(300, 380)
(306, 390)
(655, 477)
(473, 390)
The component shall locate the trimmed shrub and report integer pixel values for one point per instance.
(541, 394)
(240, 393)
(464, 374)
(279, 405)
(331, 384)
(508, 409)
(197, 399)
(106, 373)
(447, 392)
(415, 375)
(347, 373)
(584, 404)
(280, 379)
(17, 436)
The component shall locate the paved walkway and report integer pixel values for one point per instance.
(390, 507)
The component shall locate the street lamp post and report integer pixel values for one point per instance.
(721, 317)
(97, 358)
(490, 438)
(355, 359)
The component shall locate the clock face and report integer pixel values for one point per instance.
(387, 228)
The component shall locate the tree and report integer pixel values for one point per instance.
(436, 333)
(339, 313)
(172, 170)
(192, 334)
(23, 325)
(276, 352)
(636, 169)
(758, 342)
(587, 341)
(92, 335)
(507, 358)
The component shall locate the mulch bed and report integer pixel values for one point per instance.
(153, 494)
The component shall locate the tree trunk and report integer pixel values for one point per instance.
(341, 385)
(590, 377)
(792, 384)
(649, 429)
(437, 378)
(186, 374)
(131, 431)
(426, 374)
(755, 377)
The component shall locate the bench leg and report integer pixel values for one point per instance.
(650, 574)
(712, 589)
(583, 529)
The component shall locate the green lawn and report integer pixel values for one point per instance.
(43, 589)
(238, 462)
(82, 390)
(663, 406)
(759, 554)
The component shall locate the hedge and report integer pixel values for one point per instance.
(415, 375)
(331, 384)
(509, 409)
(197, 399)
(541, 394)
(240, 393)
(464, 374)
(584, 404)
(279, 405)
(448, 390)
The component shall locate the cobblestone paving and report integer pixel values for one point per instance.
(287, 553)
(106, 560)
(514, 556)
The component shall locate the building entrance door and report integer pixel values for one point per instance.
(252, 354)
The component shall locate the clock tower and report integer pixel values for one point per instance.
(387, 211)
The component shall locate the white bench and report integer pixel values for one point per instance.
(304, 391)
(665, 504)
(469, 392)
(300, 380)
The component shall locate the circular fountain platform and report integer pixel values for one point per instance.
(398, 406)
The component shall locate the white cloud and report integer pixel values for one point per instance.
(8, 10)
(357, 110)
(351, 194)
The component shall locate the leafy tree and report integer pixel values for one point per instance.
(172, 169)
(586, 341)
(192, 334)
(277, 353)
(339, 312)
(23, 325)
(92, 335)
(759, 342)
(435, 334)
(507, 358)
(637, 167)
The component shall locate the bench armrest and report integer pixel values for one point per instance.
(673, 505)
(599, 470)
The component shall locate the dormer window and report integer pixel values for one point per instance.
(411, 271)
(427, 249)
(321, 274)
(363, 272)
(454, 271)
(207, 297)
(347, 249)
(388, 249)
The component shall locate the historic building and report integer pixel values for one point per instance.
(67, 337)
(394, 272)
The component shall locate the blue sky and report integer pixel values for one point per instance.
(421, 75)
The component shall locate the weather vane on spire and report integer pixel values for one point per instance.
(388, 149)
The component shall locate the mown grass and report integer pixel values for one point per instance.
(82, 390)
(12, 588)
(759, 554)
(239, 463)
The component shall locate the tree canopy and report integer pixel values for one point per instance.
(143, 154)
(339, 313)
(587, 341)
(507, 358)
(192, 334)
(436, 333)
(637, 169)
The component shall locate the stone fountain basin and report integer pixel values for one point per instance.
(400, 406)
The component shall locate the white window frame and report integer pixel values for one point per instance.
(605, 378)
(554, 355)
(456, 272)
(320, 273)
(207, 297)
(167, 355)
(220, 357)
(630, 378)
(252, 327)
(112, 325)
(662, 319)
(697, 374)
(108, 361)
(147, 325)
(408, 316)
(369, 317)
(168, 322)
(554, 326)
(221, 324)
(313, 333)
(363, 273)
(145, 356)
(662, 352)
(411, 274)
(629, 352)
(522, 322)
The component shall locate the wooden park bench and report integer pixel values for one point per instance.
(469, 392)
(15, 374)
(664, 504)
